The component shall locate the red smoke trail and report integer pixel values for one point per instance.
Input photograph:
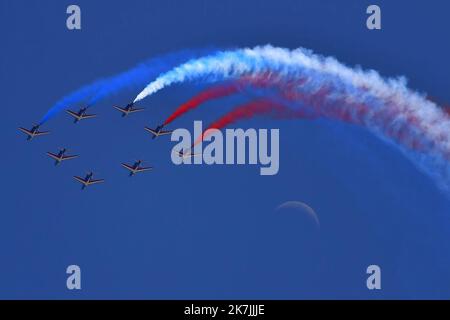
(345, 111)
(244, 111)
(319, 104)
(361, 114)
(263, 80)
(213, 93)
(251, 109)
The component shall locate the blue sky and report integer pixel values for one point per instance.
(212, 232)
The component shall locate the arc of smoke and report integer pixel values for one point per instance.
(320, 104)
(202, 97)
(317, 104)
(393, 109)
(403, 129)
(406, 132)
(278, 110)
(249, 110)
(269, 60)
(134, 78)
(320, 71)
(224, 90)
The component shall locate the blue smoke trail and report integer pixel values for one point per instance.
(132, 79)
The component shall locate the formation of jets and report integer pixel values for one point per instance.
(88, 180)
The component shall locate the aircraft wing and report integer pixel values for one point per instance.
(136, 110)
(26, 131)
(54, 156)
(87, 116)
(151, 131)
(120, 109)
(161, 133)
(95, 181)
(41, 133)
(80, 179)
(73, 114)
(140, 169)
(126, 166)
(69, 157)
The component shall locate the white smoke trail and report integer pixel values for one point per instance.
(296, 63)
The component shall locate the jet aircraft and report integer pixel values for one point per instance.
(61, 156)
(33, 132)
(80, 115)
(135, 168)
(130, 108)
(88, 180)
(158, 131)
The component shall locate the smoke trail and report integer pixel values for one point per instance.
(313, 105)
(322, 104)
(213, 93)
(128, 80)
(392, 109)
(401, 128)
(278, 62)
(70, 99)
(406, 132)
(220, 91)
(250, 109)
(279, 110)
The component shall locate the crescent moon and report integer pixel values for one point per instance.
(303, 207)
